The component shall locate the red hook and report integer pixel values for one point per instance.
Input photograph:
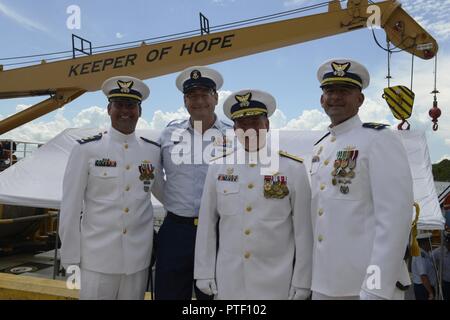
(435, 113)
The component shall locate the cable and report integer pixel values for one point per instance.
(389, 56)
(391, 50)
(412, 71)
(174, 36)
(435, 76)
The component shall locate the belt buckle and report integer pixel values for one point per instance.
(196, 222)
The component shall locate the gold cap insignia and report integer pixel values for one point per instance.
(340, 69)
(195, 74)
(125, 86)
(243, 99)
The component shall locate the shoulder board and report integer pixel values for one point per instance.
(152, 142)
(176, 121)
(90, 139)
(376, 126)
(290, 156)
(328, 133)
(221, 156)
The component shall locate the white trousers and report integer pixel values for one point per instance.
(398, 295)
(319, 296)
(103, 286)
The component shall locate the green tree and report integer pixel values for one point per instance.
(441, 171)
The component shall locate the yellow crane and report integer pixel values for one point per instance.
(65, 80)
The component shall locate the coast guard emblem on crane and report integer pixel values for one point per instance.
(340, 69)
(125, 86)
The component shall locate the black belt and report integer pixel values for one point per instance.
(179, 219)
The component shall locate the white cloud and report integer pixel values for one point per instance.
(294, 3)
(142, 124)
(438, 141)
(161, 119)
(20, 19)
(21, 107)
(444, 157)
(39, 131)
(93, 117)
(278, 120)
(119, 35)
(219, 108)
(310, 120)
(372, 111)
(431, 14)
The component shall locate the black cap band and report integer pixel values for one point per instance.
(199, 82)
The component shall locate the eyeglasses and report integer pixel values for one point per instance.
(202, 96)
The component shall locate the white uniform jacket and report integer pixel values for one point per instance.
(108, 181)
(265, 244)
(362, 206)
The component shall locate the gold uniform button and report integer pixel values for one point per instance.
(105, 174)
(252, 165)
(127, 188)
(326, 162)
(126, 210)
(247, 232)
(124, 231)
(247, 255)
(333, 139)
(320, 238)
(250, 185)
(127, 167)
(320, 212)
(126, 146)
(225, 191)
(322, 186)
(249, 209)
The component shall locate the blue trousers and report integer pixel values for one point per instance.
(446, 290)
(174, 270)
(421, 292)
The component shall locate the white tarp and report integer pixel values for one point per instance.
(36, 181)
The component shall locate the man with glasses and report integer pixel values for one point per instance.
(186, 148)
(107, 182)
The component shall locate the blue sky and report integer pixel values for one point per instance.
(287, 73)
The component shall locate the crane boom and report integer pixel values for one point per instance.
(67, 79)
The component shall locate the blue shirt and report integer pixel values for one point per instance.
(436, 254)
(423, 266)
(186, 164)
